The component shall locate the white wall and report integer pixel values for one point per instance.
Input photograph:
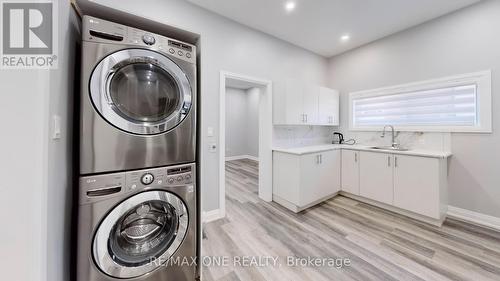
(34, 206)
(462, 42)
(60, 160)
(229, 46)
(23, 148)
(253, 101)
(242, 122)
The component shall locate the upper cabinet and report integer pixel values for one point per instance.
(298, 103)
(328, 107)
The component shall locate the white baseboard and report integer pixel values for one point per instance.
(238, 157)
(474, 217)
(212, 215)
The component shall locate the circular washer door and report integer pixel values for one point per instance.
(145, 228)
(140, 91)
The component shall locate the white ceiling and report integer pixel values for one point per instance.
(317, 25)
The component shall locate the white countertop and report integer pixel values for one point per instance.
(325, 147)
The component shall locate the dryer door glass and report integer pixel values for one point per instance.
(144, 92)
(141, 91)
(140, 233)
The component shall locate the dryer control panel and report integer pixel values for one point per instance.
(102, 31)
(99, 187)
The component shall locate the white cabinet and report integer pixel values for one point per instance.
(328, 107)
(309, 186)
(291, 103)
(417, 182)
(299, 103)
(329, 172)
(414, 184)
(300, 181)
(350, 171)
(375, 176)
(310, 99)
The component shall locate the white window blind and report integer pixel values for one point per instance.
(450, 106)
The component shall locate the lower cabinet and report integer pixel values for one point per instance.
(415, 186)
(375, 177)
(300, 181)
(350, 171)
(328, 174)
(418, 183)
(410, 183)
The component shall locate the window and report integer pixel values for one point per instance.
(453, 104)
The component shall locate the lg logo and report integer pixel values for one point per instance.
(27, 28)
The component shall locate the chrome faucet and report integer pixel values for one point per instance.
(394, 143)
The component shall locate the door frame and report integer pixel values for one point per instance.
(265, 136)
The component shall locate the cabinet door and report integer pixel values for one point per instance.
(309, 179)
(310, 103)
(328, 108)
(294, 103)
(329, 178)
(350, 171)
(416, 185)
(375, 176)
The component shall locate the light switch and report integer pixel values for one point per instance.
(210, 132)
(212, 147)
(56, 127)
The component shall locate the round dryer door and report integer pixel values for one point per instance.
(140, 91)
(145, 228)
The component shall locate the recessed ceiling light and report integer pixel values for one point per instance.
(290, 6)
(345, 37)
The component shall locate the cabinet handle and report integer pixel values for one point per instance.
(306, 117)
(317, 159)
(355, 157)
(389, 161)
(395, 161)
(321, 158)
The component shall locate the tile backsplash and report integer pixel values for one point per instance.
(293, 136)
(411, 140)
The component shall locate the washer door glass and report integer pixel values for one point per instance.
(140, 91)
(144, 92)
(143, 229)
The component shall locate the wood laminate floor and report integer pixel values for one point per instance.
(380, 245)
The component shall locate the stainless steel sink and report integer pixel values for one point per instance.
(389, 148)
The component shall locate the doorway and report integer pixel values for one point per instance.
(246, 141)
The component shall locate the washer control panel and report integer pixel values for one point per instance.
(161, 177)
(101, 187)
(147, 178)
(148, 39)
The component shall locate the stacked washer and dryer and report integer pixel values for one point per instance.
(137, 194)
